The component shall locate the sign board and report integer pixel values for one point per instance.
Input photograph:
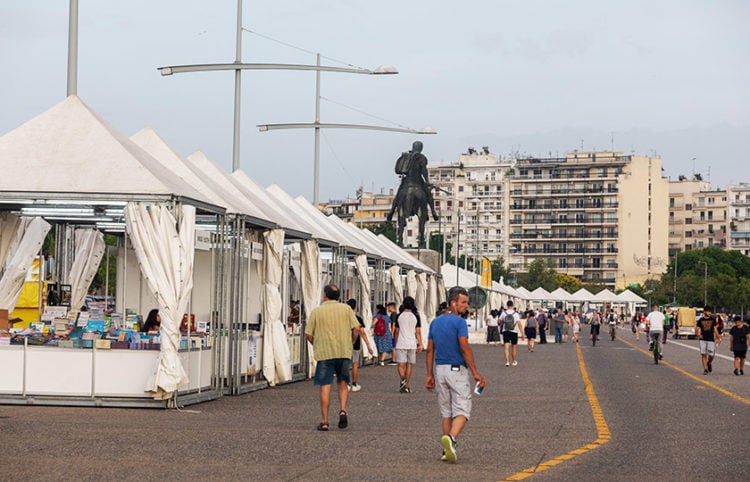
(256, 251)
(202, 240)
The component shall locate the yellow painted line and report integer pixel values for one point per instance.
(690, 375)
(603, 434)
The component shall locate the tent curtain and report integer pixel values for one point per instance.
(420, 296)
(89, 252)
(411, 284)
(442, 294)
(310, 261)
(12, 228)
(430, 308)
(277, 361)
(19, 252)
(364, 306)
(398, 288)
(165, 255)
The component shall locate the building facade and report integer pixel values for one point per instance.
(738, 226)
(697, 215)
(599, 216)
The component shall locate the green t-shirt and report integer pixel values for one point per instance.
(331, 325)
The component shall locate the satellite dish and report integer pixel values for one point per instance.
(477, 297)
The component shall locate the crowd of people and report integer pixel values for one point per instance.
(337, 334)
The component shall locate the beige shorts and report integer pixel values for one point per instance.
(453, 390)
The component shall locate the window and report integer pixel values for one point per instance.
(688, 207)
(460, 189)
(688, 220)
(710, 215)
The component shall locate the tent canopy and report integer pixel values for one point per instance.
(628, 296)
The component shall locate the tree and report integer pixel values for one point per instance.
(571, 284)
(540, 273)
(386, 229)
(499, 270)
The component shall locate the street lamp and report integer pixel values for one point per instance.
(705, 282)
(317, 125)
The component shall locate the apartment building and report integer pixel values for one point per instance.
(697, 215)
(598, 216)
(471, 202)
(372, 208)
(738, 215)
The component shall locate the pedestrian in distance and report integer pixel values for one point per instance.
(493, 332)
(596, 323)
(408, 342)
(381, 329)
(541, 321)
(738, 338)
(529, 330)
(655, 324)
(393, 316)
(566, 326)
(510, 320)
(332, 330)
(708, 334)
(450, 360)
(576, 322)
(357, 349)
(557, 323)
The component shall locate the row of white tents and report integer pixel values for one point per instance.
(499, 293)
(262, 247)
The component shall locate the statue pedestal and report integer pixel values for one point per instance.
(430, 257)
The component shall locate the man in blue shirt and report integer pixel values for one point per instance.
(449, 361)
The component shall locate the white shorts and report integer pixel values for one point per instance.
(453, 391)
(406, 355)
(355, 356)
(708, 347)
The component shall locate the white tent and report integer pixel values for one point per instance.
(582, 296)
(628, 296)
(560, 295)
(539, 294)
(523, 293)
(605, 296)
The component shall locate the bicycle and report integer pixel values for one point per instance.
(656, 346)
(612, 331)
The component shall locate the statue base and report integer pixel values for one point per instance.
(430, 257)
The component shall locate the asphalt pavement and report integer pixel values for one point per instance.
(664, 422)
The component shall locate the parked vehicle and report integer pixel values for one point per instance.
(685, 323)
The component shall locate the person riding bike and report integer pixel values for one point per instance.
(596, 322)
(612, 322)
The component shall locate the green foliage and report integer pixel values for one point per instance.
(571, 284)
(99, 281)
(386, 229)
(540, 273)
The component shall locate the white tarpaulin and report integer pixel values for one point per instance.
(89, 245)
(431, 307)
(165, 255)
(420, 298)
(27, 241)
(277, 361)
(310, 261)
(398, 288)
(364, 283)
(442, 293)
(12, 228)
(411, 283)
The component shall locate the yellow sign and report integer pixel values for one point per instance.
(486, 273)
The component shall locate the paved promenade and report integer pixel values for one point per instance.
(564, 413)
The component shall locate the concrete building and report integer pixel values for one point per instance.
(372, 208)
(738, 197)
(471, 202)
(697, 215)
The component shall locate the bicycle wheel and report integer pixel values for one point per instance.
(593, 339)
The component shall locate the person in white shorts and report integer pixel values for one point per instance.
(408, 334)
(708, 334)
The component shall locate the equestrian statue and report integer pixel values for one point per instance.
(414, 195)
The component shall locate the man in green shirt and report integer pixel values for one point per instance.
(332, 330)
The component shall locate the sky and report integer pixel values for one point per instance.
(522, 77)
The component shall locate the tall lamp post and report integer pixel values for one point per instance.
(317, 125)
(705, 282)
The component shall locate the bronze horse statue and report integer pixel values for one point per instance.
(414, 195)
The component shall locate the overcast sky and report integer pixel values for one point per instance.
(670, 77)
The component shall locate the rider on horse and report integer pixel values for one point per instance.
(414, 174)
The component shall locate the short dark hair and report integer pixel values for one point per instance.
(455, 292)
(409, 303)
(509, 303)
(332, 292)
(708, 308)
(352, 303)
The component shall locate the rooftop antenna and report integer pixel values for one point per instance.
(612, 141)
(693, 166)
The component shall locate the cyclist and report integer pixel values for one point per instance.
(655, 321)
(612, 322)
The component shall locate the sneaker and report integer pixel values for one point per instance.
(705, 372)
(355, 387)
(349, 387)
(403, 384)
(736, 372)
(515, 363)
(507, 364)
(382, 364)
(742, 372)
(709, 367)
(392, 363)
(449, 448)
(444, 458)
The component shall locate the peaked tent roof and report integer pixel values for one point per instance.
(73, 153)
(260, 197)
(320, 231)
(408, 259)
(560, 295)
(628, 296)
(523, 293)
(539, 294)
(605, 296)
(582, 295)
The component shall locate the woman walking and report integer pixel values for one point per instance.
(493, 332)
(576, 322)
(530, 330)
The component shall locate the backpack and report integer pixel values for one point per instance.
(611, 318)
(509, 321)
(403, 163)
(379, 329)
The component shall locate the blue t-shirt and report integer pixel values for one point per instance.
(444, 333)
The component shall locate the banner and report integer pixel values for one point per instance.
(486, 273)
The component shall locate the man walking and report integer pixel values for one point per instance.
(409, 342)
(509, 320)
(393, 314)
(449, 361)
(332, 330)
(738, 336)
(708, 334)
(357, 349)
(557, 324)
(655, 320)
(541, 320)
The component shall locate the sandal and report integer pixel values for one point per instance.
(323, 426)
(343, 420)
